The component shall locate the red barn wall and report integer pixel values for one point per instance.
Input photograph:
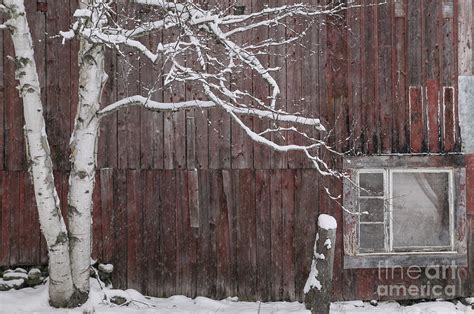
(185, 202)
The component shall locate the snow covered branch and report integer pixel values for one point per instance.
(149, 104)
(204, 49)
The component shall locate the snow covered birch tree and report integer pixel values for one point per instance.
(41, 168)
(204, 54)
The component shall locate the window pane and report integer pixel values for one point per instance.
(371, 238)
(371, 184)
(420, 209)
(374, 209)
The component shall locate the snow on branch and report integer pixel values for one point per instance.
(152, 105)
(203, 48)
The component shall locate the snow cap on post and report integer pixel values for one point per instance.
(327, 222)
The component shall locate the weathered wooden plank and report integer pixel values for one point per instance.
(336, 77)
(5, 220)
(372, 262)
(197, 137)
(246, 235)
(242, 146)
(400, 130)
(107, 209)
(306, 210)
(322, 64)
(466, 111)
(366, 284)
(294, 84)
(261, 153)
(58, 106)
(151, 232)
(120, 229)
(134, 230)
(465, 19)
(97, 221)
(404, 161)
(416, 119)
(354, 80)
(30, 248)
(66, 108)
(431, 72)
(2, 101)
(369, 44)
(167, 269)
(151, 124)
(469, 183)
(384, 79)
(457, 127)
(52, 107)
(448, 66)
(432, 98)
(263, 234)
(13, 115)
(206, 254)
(223, 234)
(211, 222)
(414, 72)
(24, 224)
(15, 228)
(431, 10)
(277, 235)
(288, 258)
(186, 246)
(193, 196)
(174, 125)
(277, 59)
(311, 80)
(107, 154)
(414, 48)
(449, 127)
(128, 84)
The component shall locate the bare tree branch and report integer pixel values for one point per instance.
(204, 52)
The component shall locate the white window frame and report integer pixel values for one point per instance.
(388, 212)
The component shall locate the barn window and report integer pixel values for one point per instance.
(404, 209)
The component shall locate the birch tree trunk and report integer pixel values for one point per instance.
(83, 144)
(52, 223)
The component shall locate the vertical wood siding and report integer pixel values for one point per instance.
(185, 203)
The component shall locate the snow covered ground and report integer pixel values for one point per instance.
(34, 300)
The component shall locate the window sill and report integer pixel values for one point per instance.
(420, 259)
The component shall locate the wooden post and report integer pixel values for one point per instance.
(318, 287)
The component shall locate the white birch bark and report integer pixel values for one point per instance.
(51, 220)
(83, 145)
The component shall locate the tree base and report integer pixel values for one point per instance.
(78, 298)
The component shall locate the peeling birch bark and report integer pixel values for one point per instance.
(41, 170)
(84, 139)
